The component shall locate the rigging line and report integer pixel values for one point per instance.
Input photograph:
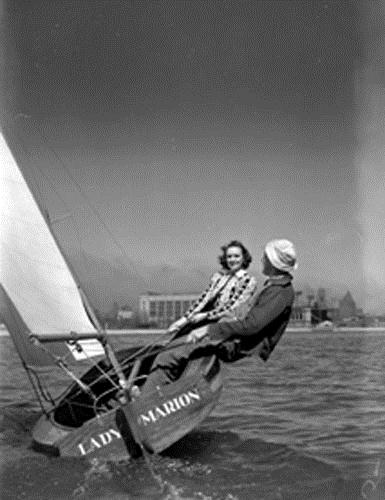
(95, 382)
(152, 352)
(93, 209)
(37, 394)
(81, 384)
(44, 391)
(103, 374)
(147, 347)
(94, 364)
(130, 360)
(41, 205)
(61, 362)
(103, 407)
(52, 186)
(64, 358)
(36, 183)
(142, 351)
(57, 193)
(27, 368)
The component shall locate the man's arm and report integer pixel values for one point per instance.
(272, 302)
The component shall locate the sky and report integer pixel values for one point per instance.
(186, 124)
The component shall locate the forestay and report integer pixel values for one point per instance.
(33, 272)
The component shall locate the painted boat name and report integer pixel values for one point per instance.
(99, 441)
(167, 408)
(171, 406)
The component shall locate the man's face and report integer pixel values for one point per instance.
(266, 266)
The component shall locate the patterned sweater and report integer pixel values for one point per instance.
(224, 294)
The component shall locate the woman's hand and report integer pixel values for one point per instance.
(196, 318)
(197, 335)
(177, 325)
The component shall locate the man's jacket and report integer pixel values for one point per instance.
(265, 322)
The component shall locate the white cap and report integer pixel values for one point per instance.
(282, 255)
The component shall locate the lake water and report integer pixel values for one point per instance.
(309, 424)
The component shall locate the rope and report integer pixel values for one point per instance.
(88, 203)
(35, 390)
(94, 364)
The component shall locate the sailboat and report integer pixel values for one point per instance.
(53, 326)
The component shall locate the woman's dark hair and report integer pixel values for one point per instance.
(245, 254)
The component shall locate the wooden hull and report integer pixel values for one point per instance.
(169, 413)
(156, 420)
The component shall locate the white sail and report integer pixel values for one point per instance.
(33, 272)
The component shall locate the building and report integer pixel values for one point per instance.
(311, 308)
(347, 307)
(125, 313)
(300, 316)
(161, 310)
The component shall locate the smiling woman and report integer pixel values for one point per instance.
(228, 289)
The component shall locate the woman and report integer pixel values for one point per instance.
(228, 288)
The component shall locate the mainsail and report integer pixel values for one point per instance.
(38, 293)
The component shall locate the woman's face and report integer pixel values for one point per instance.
(234, 258)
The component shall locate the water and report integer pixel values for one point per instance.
(309, 424)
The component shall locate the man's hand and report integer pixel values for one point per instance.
(197, 335)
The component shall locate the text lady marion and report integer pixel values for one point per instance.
(168, 407)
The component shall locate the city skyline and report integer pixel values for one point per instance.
(187, 124)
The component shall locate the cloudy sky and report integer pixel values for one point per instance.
(189, 123)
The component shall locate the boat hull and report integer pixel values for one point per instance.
(166, 415)
(99, 437)
(154, 421)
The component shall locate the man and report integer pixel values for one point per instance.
(264, 323)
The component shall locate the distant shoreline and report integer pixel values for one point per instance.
(337, 329)
(292, 329)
